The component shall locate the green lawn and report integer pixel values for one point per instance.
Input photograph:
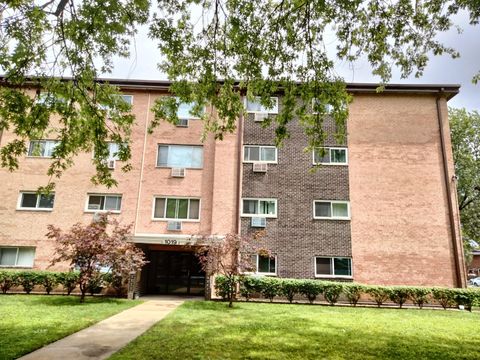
(209, 330)
(28, 322)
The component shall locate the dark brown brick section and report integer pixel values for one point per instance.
(294, 236)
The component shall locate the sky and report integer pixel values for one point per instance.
(441, 70)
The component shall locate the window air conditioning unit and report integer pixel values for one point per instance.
(178, 172)
(93, 206)
(182, 123)
(258, 222)
(260, 117)
(174, 225)
(260, 167)
(111, 164)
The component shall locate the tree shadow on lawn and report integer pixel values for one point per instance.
(72, 300)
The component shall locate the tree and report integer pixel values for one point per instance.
(230, 257)
(89, 248)
(465, 132)
(205, 47)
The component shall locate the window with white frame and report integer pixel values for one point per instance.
(17, 256)
(104, 202)
(258, 153)
(113, 149)
(256, 107)
(330, 156)
(319, 108)
(42, 148)
(166, 208)
(184, 111)
(336, 210)
(259, 207)
(333, 266)
(180, 156)
(266, 264)
(30, 200)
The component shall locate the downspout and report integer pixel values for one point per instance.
(239, 173)
(456, 252)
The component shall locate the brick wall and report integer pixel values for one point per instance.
(294, 236)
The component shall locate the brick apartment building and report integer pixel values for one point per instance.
(380, 210)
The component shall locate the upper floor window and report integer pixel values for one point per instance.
(42, 148)
(259, 207)
(17, 256)
(33, 201)
(176, 208)
(336, 210)
(330, 156)
(113, 149)
(318, 107)
(98, 202)
(185, 110)
(180, 156)
(256, 107)
(333, 266)
(253, 153)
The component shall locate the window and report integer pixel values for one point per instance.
(184, 111)
(317, 107)
(333, 266)
(113, 149)
(337, 210)
(330, 156)
(42, 148)
(259, 207)
(253, 153)
(180, 156)
(266, 265)
(17, 256)
(34, 201)
(104, 203)
(255, 106)
(128, 99)
(176, 208)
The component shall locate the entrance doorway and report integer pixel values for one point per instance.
(174, 272)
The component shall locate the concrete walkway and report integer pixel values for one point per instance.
(101, 340)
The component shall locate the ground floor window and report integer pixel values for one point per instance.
(98, 202)
(17, 256)
(266, 265)
(34, 201)
(333, 266)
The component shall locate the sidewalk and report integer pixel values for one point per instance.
(101, 340)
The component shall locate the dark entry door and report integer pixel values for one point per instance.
(175, 273)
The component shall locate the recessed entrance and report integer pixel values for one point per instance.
(174, 272)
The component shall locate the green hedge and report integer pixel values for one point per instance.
(49, 280)
(271, 287)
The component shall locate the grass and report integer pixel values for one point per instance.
(209, 330)
(27, 322)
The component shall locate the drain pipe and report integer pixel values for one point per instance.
(239, 172)
(456, 250)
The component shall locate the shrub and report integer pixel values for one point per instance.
(443, 296)
(290, 288)
(378, 293)
(311, 289)
(270, 287)
(48, 280)
(8, 279)
(28, 280)
(68, 280)
(353, 292)
(249, 285)
(399, 294)
(226, 287)
(332, 291)
(420, 295)
(117, 282)
(466, 297)
(95, 284)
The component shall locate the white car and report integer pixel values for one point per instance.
(475, 281)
